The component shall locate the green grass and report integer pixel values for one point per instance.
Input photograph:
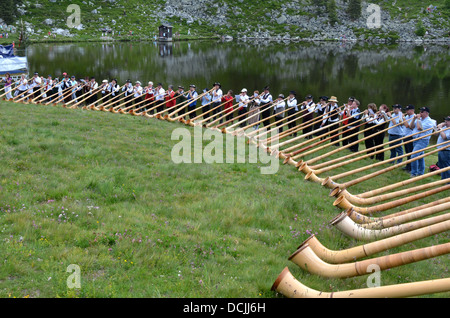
(100, 191)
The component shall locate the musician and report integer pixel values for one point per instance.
(65, 85)
(331, 119)
(149, 92)
(369, 117)
(345, 114)
(93, 86)
(308, 107)
(217, 94)
(35, 85)
(279, 106)
(292, 107)
(180, 98)
(128, 90)
(408, 132)
(48, 85)
(319, 111)
(266, 101)
(73, 83)
(170, 97)
(79, 88)
(206, 99)
(23, 86)
(192, 102)
(243, 102)
(420, 122)
(8, 85)
(160, 93)
(114, 88)
(253, 110)
(105, 90)
(444, 153)
(138, 91)
(396, 133)
(380, 120)
(354, 117)
(228, 106)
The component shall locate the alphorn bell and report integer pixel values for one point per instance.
(305, 258)
(290, 287)
(368, 249)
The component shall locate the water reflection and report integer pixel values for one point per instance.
(404, 74)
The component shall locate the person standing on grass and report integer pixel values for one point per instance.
(279, 106)
(444, 153)
(396, 133)
(266, 100)
(308, 108)
(160, 97)
(192, 100)
(291, 104)
(369, 129)
(228, 106)
(8, 83)
(420, 122)
(354, 117)
(206, 99)
(331, 119)
(408, 132)
(243, 102)
(217, 94)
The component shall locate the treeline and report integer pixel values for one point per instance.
(330, 7)
(8, 10)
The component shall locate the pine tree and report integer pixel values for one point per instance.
(354, 9)
(8, 10)
(332, 11)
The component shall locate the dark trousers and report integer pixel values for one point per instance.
(369, 136)
(332, 129)
(265, 113)
(307, 121)
(354, 139)
(379, 140)
(279, 121)
(160, 106)
(193, 114)
(205, 109)
(408, 149)
(242, 111)
(292, 123)
(36, 93)
(217, 111)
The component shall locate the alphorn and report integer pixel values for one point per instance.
(225, 114)
(305, 167)
(61, 96)
(347, 226)
(378, 223)
(372, 248)
(50, 97)
(287, 285)
(44, 93)
(379, 197)
(353, 154)
(191, 122)
(343, 203)
(184, 104)
(108, 105)
(305, 258)
(159, 114)
(134, 112)
(25, 96)
(12, 89)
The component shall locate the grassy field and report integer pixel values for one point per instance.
(100, 191)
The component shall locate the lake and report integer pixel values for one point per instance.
(404, 73)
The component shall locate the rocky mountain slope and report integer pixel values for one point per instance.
(399, 20)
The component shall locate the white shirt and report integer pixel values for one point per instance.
(138, 91)
(23, 85)
(310, 107)
(266, 98)
(160, 94)
(329, 113)
(409, 119)
(442, 140)
(243, 100)
(217, 95)
(292, 103)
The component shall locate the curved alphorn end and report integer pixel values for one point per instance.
(329, 183)
(299, 163)
(342, 202)
(224, 130)
(335, 192)
(280, 277)
(166, 117)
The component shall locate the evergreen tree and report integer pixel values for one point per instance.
(354, 9)
(332, 11)
(8, 10)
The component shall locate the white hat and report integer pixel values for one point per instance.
(105, 81)
(244, 90)
(150, 83)
(137, 82)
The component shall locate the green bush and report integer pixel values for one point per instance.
(420, 29)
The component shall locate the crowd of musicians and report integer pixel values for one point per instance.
(407, 128)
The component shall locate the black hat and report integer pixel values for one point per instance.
(159, 84)
(36, 73)
(128, 81)
(325, 98)
(351, 98)
(292, 93)
(216, 83)
(447, 118)
(181, 87)
(309, 96)
(425, 109)
(397, 106)
(410, 106)
(281, 96)
(266, 88)
(192, 85)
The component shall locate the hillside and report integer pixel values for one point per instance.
(401, 20)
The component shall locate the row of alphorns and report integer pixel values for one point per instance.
(384, 232)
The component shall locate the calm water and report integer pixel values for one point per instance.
(405, 74)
